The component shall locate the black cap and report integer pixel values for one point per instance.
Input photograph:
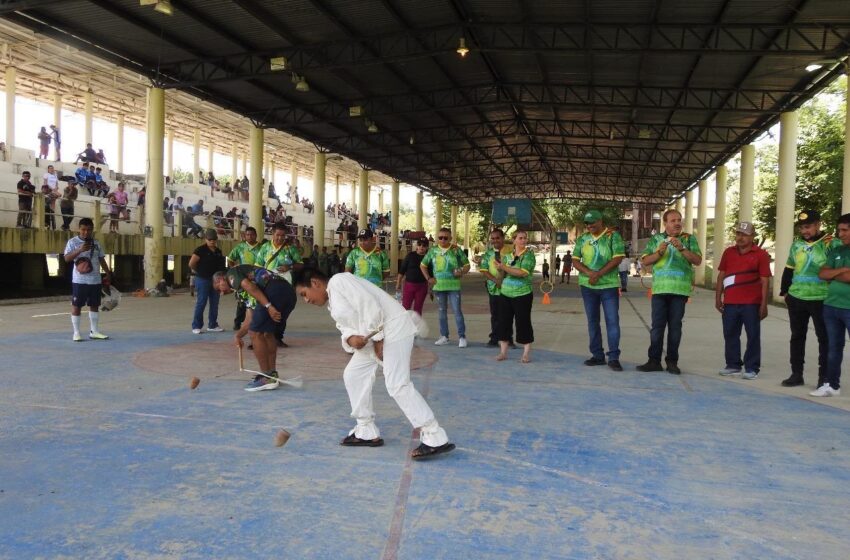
(808, 217)
(365, 233)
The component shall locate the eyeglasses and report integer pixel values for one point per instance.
(442, 238)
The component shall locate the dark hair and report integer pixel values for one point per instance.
(498, 231)
(844, 219)
(304, 276)
(445, 229)
(86, 222)
(250, 229)
(668, 212)
(280, 226)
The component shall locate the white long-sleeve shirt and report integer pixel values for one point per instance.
(360, 308)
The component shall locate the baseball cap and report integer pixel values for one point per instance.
(592, 216)
(210, 234)
(365, 233)
(745, 228)
(808, 217)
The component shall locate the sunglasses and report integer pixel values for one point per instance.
(443, 238)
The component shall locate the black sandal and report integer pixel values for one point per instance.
(426, 451)
(354, 441)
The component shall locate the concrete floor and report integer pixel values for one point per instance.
(106, 453)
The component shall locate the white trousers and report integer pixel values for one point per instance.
(359, 377)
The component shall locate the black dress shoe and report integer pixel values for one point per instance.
(793, 381)
(673, 367)
(615, 365)
(595, 362)
(651, 365)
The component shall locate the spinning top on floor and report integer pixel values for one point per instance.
(281, 438)
(193, 384)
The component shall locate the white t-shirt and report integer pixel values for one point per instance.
(52, 181)
(625, 265)
(95, 255)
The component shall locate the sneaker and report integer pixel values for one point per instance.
(750, 375)
(595, 362)
(77, 337)
(442, 341)
(97, 336)
(650, 365)
(196, 331)
(727, 371)
(260, 383)
(615, 365)
(461, 343)
(215, 329)
(793, 381)
(825, 390)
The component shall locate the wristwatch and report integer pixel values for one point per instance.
(267, 305)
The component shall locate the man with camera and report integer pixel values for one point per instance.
(83, 251)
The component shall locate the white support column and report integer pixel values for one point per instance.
(785, 189)
(466, 242)
(748, 180)
(680, 206)
(845, 191)
(154, 244)
(635, 228)
(11, 86)
(119, 168)
(234, 163)
(721, 177)
(381, 201)
(453, 221)
(169, 148)
(354, 196)
(293, 176)
(57, 120)
(419, 212)
(363, 206)
(272, 170)
(336, 195)
(196, 158)
(255, 187)
(702, 236)
(394, 210)
(319, 214)
(210, 157)
(689, 213)
(438, 215)
(245, 167)
(89, 114)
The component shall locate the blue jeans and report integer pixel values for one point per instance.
(609, 299)
(668, 310)
(837, 322)
(453, 298)
(736, 316)
(205, 293)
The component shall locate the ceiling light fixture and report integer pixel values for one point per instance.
(814, 67)
(302, 85)
(461, 47)
(411, 140)
(277, 63)
(161, 6)
(372, 127)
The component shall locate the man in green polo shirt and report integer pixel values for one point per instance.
(597, 254)
(367, 260)
(489, 268)
(280, 256)
(449, 264)
(836, 308)
(805, 291)
(243, 253)
(672, 254)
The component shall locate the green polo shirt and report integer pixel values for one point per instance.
(271, 257)
(595, 252)
(515, 286)
(838, 292)
(807, 258)
(489, 263)
(369, 266)
(444, 262)
(672, 273)
(245, 253)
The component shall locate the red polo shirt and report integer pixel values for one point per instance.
(748, 270)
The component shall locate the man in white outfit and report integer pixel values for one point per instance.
(377, 330)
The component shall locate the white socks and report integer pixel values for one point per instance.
(93, 317)
(75, 322)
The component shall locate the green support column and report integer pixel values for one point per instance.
(438, 216)
(319, 234)
(153, 210)
(748, 177)
(255, 187)
(11, 78)
(419, 196)
(394, 210)
(702, 236)
(785, 189)
(721, 177)
(363, 193)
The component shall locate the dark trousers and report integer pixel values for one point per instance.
(837, 321)
(413, 295)
(67, 216)
(609, 300)
(24, 213)
(799, 312)
(519, 309)
(494, 320)
(49, 218)
(668, 310)
(736, 316)
(240, 315)
(624, 280)
(280, 328)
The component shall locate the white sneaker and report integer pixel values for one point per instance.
(750, 375)
(826, 390)
(442, 341)
(215, 329)
(97, 336)
(196, 331)
(77, 337)
(727, 371)
(461, 343)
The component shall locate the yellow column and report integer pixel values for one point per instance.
(89, 112)
(245, 166)
(748, 178)
(319, 214)
(785, 189)
(702, 237)
(196, 156)
(689, 213)
(336, 195)
(57, 115)
(119, 167)
(353, 196)
(272, 169)
(453, 221)
(293, 177)
(438, 215)
(11, 77)
(394, 209)
(169, 147)
(845, 194)
(234, 158)
(419, 196)
(680, 205)
(721, 177)
(210, 154)
(363, 205)
(466, 242)
(255, 189)
(153, 209)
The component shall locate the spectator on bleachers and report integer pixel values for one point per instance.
(210, 178)
(272, 193)
(296, 195)
(231, 220)
(289, 193)
(199, 208)
(54, 132)
(243, 217)
(66, 205)
(26, 190)
(227, 190)
(43, 143)
(83, 179)
(218, 220)
(112, 209)
(50, 190)
(100, 157)
(280, 214)
(122, 199)
(190, 227)
(102, 186)
(87, 156)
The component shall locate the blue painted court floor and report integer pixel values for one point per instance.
(105, 452)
